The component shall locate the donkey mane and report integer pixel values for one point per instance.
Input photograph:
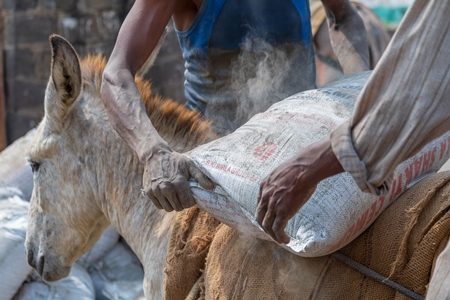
(182, 128)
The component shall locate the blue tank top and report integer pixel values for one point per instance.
(241, 56)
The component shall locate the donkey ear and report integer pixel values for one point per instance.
(66, 77)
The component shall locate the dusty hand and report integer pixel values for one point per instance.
(290, 185)
(165, 179)
(281, 195)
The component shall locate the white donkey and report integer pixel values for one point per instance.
(86, 177)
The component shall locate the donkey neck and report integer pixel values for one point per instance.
(138, 220)
(145, 228)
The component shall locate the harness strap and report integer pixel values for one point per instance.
(376, 276)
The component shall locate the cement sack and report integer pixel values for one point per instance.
(106, 242)
(118, 265)
(403, 245)
(338, 211)
(14, 268)
(124, 290)
(76, 286)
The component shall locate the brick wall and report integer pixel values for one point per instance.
(91, 26)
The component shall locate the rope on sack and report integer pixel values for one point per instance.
(376, 276)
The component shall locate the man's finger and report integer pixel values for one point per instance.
(153, 199)
(168, 191)
(260, 194)
(267, 223)
(278, 228)
(184, 193)
(261, 210)
(201, 178)
(265, 194)
(162, 200)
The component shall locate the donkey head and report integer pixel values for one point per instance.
(64, 219)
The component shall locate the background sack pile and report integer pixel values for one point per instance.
(110, 270)
(338, 211)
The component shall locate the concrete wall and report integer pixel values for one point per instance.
(91, 26)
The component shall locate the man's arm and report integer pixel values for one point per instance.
(136, 40)
(348, 35)
(166, 172)
(290, 186)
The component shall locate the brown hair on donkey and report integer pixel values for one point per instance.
(86, 177)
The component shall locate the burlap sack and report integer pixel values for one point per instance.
(243, 267)
(191, 236)
(403, 243)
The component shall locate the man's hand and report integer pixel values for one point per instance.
(165, 180)
(290, 185)
(281, 195)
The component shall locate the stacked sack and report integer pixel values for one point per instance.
(14, 268)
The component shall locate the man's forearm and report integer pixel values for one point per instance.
(291, 184)
(128, 115)
(348, 35)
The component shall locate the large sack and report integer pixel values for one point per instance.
(14, 268)
(118, 265)
(14, 168)
(123, 290)
(242, 267)
(338, 211)
(76, 286)
(402, 244)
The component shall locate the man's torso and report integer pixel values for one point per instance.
(244, 55)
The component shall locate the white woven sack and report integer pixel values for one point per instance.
(14, 268)
(76, 286)
(118, 265)
(124, 290)
(14, 168)
(338, 211)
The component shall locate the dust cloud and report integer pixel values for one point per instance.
(264, 74)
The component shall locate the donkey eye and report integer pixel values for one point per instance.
(34, 166)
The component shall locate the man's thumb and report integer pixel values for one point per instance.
(201, 178)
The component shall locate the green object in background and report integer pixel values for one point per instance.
(390, 16)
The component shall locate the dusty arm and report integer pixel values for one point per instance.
(166, 172)
(348, 36)
(137, 37)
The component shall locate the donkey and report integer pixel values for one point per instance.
(86, 177)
